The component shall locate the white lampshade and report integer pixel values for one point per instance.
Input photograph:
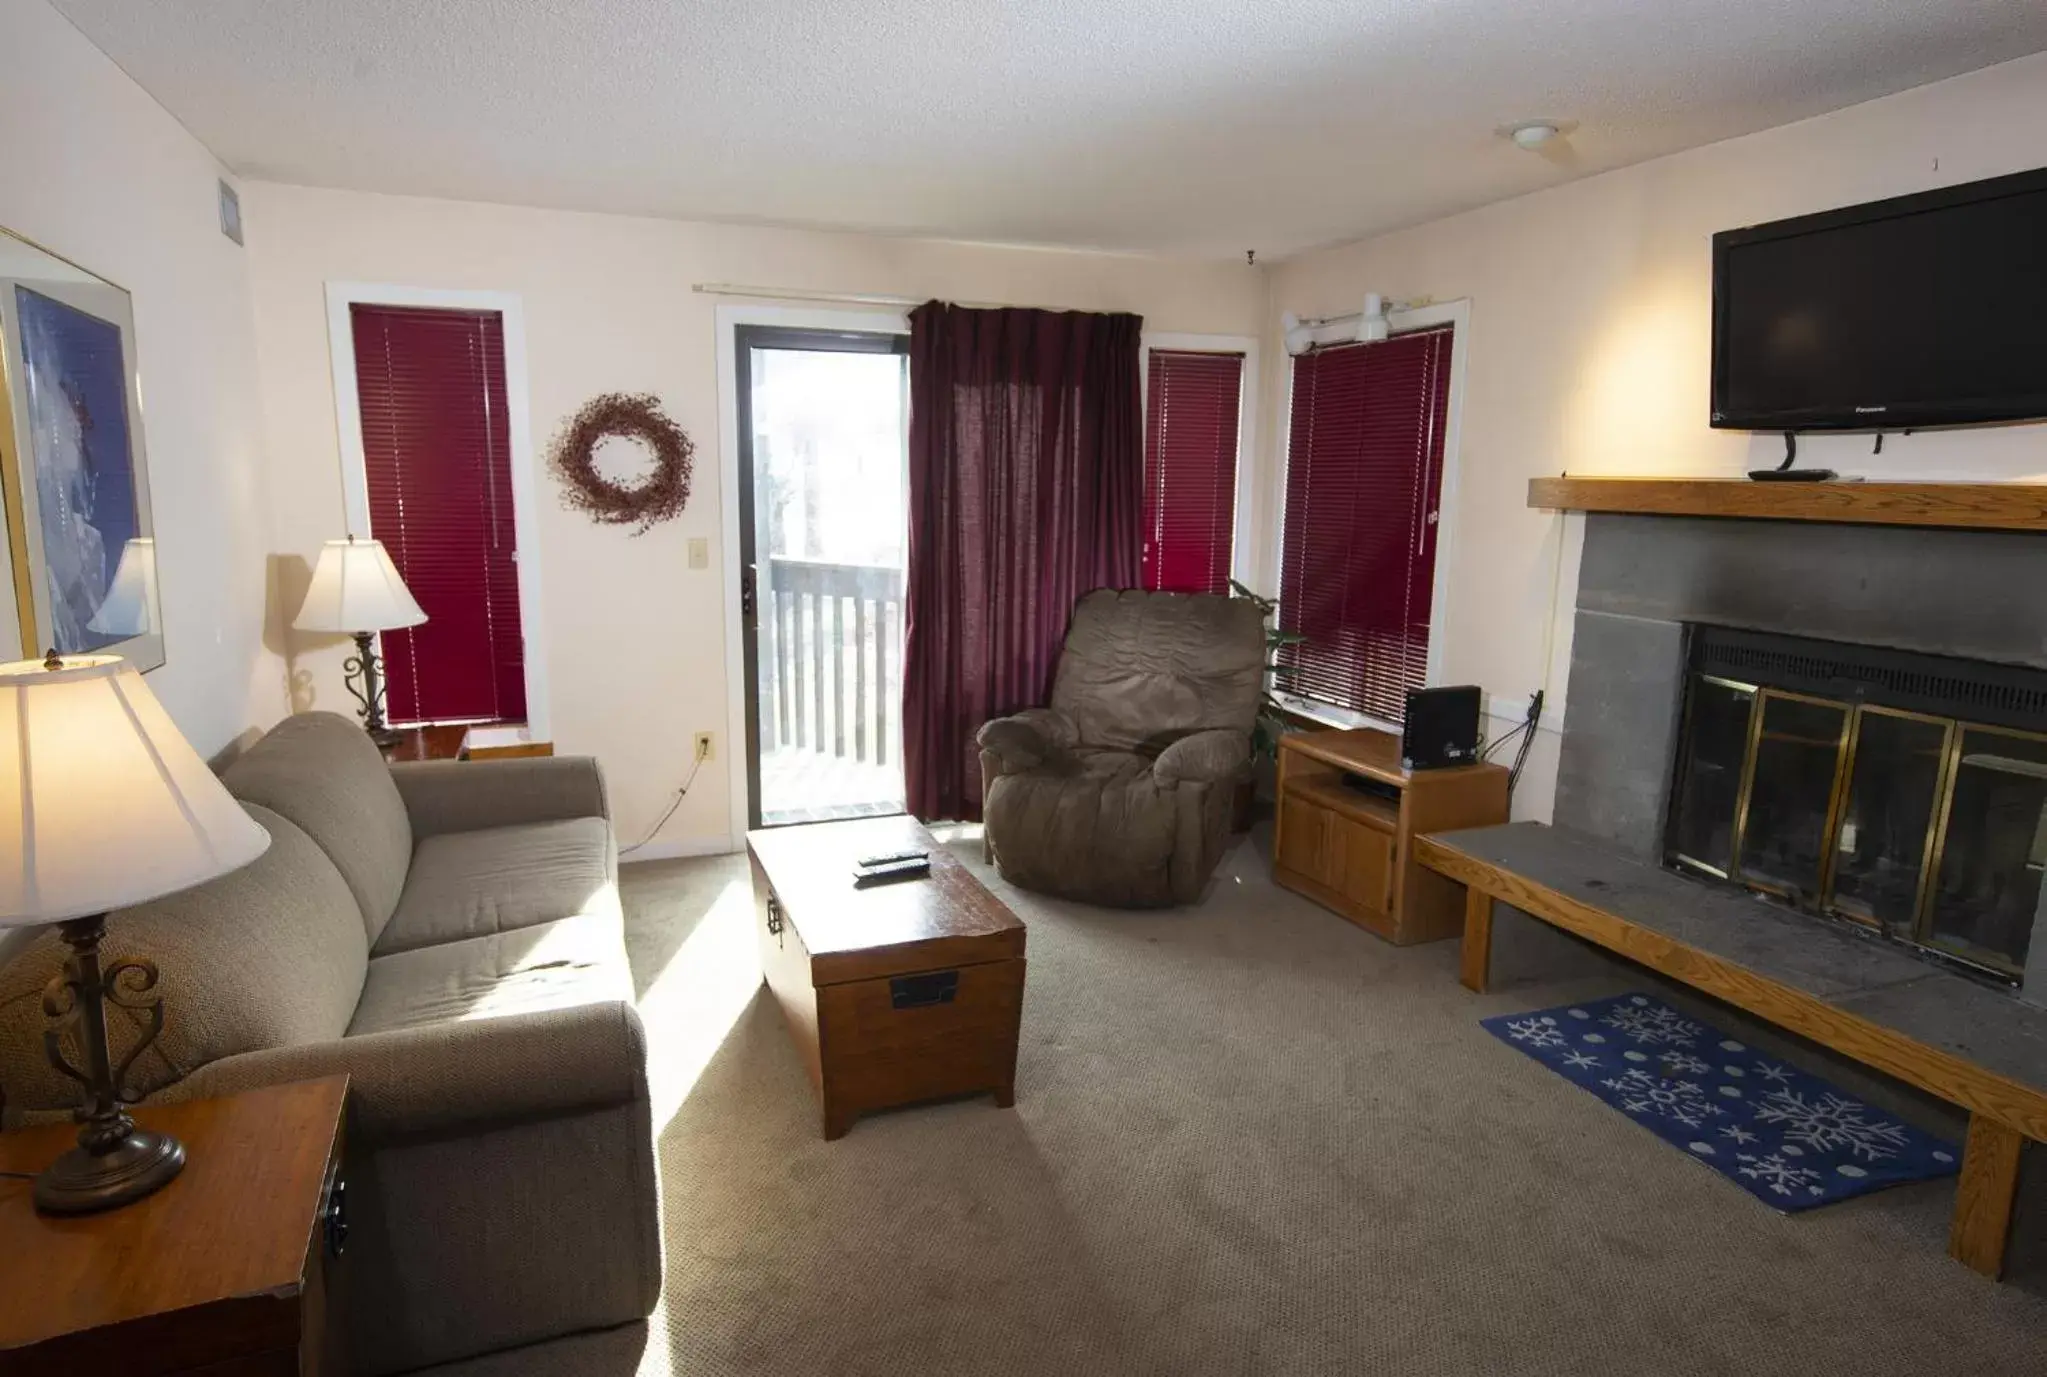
(129, 608)
(102, 802)
(357, 588)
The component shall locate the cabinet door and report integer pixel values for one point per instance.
(1304, 839)
(1360, 861)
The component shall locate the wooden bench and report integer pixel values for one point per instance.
(1950, 1036)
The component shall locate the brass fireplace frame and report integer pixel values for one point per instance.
(1934, 846)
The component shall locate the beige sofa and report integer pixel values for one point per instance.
(1120, 792)
(449, 935)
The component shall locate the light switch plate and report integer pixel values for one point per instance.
(699, 553)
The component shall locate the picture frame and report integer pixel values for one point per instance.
(80, 573)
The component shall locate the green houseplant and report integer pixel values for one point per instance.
(1273, 720)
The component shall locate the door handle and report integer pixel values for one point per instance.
(748, 594)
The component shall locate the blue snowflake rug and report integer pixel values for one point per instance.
(1787, 1138)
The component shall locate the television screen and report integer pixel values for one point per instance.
(1919, 311)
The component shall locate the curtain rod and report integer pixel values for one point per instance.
(843, 298)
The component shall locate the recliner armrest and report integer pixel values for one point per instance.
(1208, 757)
(468, 795)
(1028, 739)
(459, 1076)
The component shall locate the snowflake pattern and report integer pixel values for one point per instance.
(1827, 1122)
(1683, 1102)
(1536, 1032)
(1785, 1136)
(1782, 1177)
(1652, 1024)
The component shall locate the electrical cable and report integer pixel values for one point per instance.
(673, 804)
(1494, 745)
(1521, 756)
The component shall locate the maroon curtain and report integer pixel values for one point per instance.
(1026, 491)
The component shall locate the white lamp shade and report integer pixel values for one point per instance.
(102, 802)
(357, 588)
(129, 608)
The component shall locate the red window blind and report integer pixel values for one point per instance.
(1190, 469)
(1358, 559)
(437, 452)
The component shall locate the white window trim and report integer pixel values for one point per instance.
(1458, 315)
(730, 318)
(1242, 554)
(355, 490)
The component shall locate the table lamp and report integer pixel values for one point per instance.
(103, 804)
(356, 590)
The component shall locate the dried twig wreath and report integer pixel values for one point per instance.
(659, 497)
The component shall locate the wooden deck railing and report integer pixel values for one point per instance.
(830, 650)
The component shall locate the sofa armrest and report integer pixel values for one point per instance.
(458, 1077)
(1208, 757)
(467, 795)
(1025, 740)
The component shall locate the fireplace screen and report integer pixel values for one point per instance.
(1927, 827)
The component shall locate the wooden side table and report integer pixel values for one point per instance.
(459, 741)
(227, 1270)
(1351, 848)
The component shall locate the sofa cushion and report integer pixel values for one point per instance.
(324, 773)
(572, 961)
(269, 955)
(471, 884)
(1105, 833)
(1141, 670)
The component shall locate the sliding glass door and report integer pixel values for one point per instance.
(823, 429)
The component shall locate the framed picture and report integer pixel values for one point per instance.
(74, 479)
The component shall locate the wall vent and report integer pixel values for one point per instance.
(230, 212)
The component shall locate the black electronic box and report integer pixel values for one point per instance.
(1442, 728)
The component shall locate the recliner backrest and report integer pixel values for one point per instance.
(1140, 670)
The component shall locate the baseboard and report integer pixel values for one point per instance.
(660, 850)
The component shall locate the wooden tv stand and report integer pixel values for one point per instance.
(1353, 850)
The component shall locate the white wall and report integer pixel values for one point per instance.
(1590, 340)
(636, 644)
(94, 170)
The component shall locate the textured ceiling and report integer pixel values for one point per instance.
(1203, 126)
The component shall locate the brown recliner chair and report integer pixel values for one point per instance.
(1120, 792)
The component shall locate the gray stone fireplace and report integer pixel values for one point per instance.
(1849, 719)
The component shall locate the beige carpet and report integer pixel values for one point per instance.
(1248, 1138)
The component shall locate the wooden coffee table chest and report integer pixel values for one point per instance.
(895, 993)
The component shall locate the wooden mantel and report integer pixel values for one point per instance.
(1990, 506)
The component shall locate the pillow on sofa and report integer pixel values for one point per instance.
(324, 773)
(269, 955)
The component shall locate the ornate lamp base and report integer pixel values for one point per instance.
(364, 677)
(82, 1181)
(115, 1162)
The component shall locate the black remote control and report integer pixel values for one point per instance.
(910, 868)
(890, 858)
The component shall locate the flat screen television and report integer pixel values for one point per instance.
(1923, 310)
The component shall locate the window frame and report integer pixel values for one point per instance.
(355, 493)
(1243, 565)
(1456, 314)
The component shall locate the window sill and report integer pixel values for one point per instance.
(1330, 715)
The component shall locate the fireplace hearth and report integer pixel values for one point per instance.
(1902, 792)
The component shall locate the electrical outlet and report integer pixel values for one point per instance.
(706, 746)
